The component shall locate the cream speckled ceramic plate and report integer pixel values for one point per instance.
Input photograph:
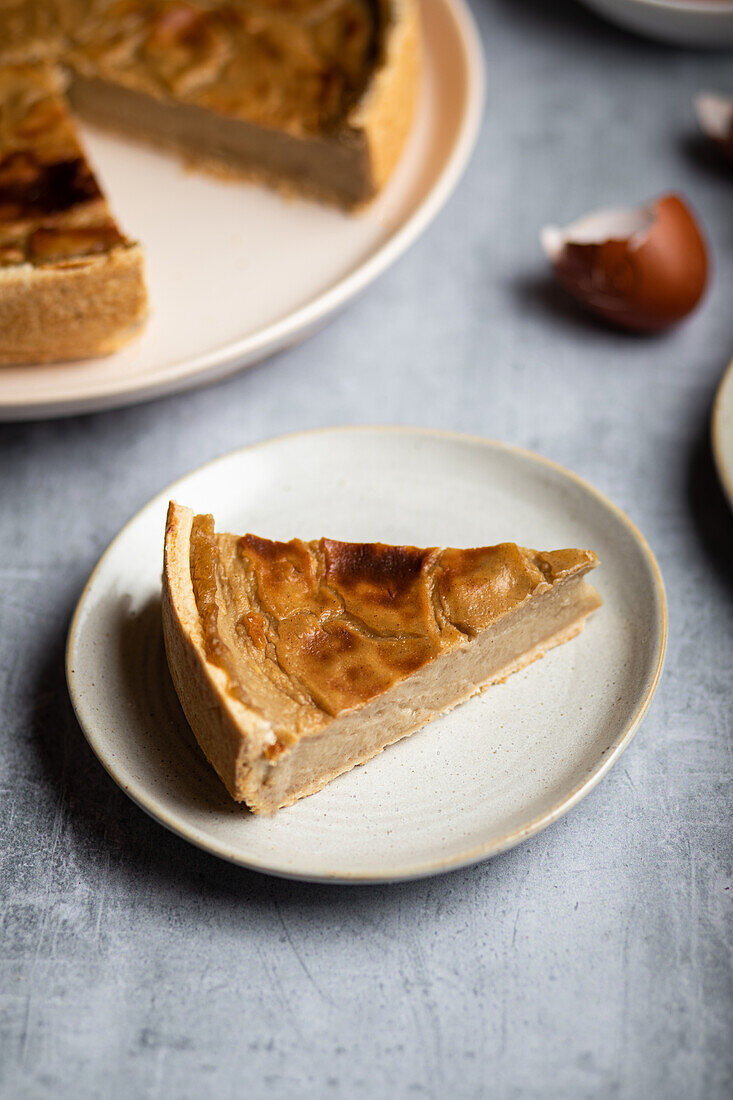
(237, 272)
(494, 771)
(721, 432)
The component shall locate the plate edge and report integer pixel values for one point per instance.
(716, 432)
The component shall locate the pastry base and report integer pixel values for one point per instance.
(75, 309)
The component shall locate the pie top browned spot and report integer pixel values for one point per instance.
(51, 208)
(31, 189)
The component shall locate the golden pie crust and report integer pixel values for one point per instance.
(295, 661)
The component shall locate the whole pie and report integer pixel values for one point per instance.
(315, 97)
(295, 661)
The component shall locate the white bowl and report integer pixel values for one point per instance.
(686, 22)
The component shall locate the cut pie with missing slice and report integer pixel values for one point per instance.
(295, 661)
(71, 284)
(315, 97)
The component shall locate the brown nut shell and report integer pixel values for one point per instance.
(644, 281)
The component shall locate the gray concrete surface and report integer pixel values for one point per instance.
(593, 961)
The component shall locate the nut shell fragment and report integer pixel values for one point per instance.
(643, 269)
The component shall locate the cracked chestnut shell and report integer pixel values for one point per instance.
(642, 269)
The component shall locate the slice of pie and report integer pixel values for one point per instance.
(71, 284)
(313, 96)
(295, 661)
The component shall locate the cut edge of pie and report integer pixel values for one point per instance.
(294, 662)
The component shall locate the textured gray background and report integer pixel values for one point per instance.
(594, 960)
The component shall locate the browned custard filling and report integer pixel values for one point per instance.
(293, 65)
(51, 207)
(328, 626)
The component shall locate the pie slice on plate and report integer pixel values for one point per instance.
(71, 283)
(295, 661)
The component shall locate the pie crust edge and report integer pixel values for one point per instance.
(74, 309)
